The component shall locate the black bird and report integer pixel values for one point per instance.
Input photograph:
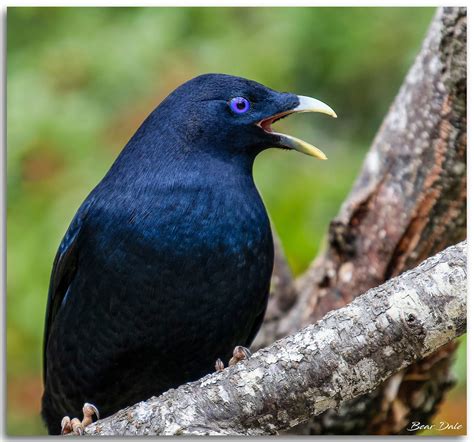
(166, 265)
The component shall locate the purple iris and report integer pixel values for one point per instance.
(239, 105)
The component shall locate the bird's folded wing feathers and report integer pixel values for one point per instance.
(64, 270)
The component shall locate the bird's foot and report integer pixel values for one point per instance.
(240, 353)
(219, 365)
(75, 426)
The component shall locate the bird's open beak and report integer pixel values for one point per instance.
(306, 104)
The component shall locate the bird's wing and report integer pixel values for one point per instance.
(64, 270)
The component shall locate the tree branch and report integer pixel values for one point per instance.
(346, 354)
(408, 203)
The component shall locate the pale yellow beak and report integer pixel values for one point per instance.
(307, 104)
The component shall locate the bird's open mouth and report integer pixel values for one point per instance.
(266, 124)
(306, 104)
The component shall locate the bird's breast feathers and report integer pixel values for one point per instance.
(199, 225)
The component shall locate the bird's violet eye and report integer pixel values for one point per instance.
(239, 105)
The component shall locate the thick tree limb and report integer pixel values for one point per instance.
(408, 203)
(346, 354)
(409, 200)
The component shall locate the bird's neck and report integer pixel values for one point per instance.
(164, 159)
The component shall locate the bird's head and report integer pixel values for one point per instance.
(235, 114)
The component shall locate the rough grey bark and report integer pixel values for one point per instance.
(408, 203)
(409, 200)
(346, 354)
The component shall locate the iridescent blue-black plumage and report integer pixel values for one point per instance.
(166, 265)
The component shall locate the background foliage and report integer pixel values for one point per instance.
(81, 80)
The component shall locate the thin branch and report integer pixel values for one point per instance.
(346, 354)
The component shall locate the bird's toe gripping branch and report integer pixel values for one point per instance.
(240, 353)
(74, 425)
(219, 366)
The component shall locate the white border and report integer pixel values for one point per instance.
(222, 3)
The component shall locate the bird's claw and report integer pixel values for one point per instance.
(219, 365)
(75, 426)
(66, 426)
(89, 410)
(240, 353)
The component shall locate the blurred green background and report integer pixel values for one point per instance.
(81, 80)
